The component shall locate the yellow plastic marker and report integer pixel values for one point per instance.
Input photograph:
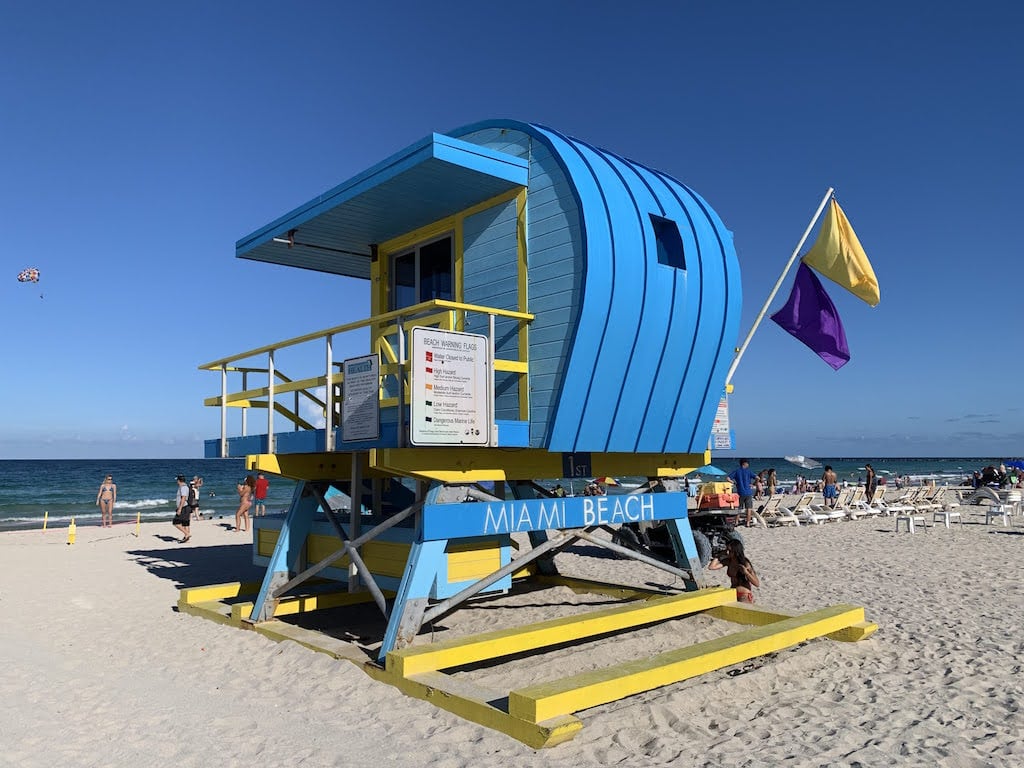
(71, 532)
(138, 523)
(46, 516)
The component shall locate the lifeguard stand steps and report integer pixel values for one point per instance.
(541, 311)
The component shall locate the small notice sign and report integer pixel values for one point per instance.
(451, 400)
(360, 404)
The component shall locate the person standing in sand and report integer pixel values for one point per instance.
(245, 490)
(870, 483)
(260, 496)
(741, 573)
(182, 511)
(743, 479)
(105, 499)
(829, 489)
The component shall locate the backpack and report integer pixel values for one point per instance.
(192, 500)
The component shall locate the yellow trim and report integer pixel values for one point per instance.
(506, 642)
(461, 465)
(589, 689)
(524, 304)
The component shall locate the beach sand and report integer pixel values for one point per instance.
(99, 669)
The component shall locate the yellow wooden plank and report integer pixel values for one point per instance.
(474, 464)
(472, 560)
(589, 689)
(292, 605)
(745, 613)
(588, 586)
(474, 703)
(205, 594)
(505, 642)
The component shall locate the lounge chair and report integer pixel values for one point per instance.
(801, 506)
(808, 511)
(773, 514)
(838, 512)
(856, 507)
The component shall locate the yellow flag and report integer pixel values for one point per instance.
(838, 255)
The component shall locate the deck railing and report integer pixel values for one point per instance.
(389, 333)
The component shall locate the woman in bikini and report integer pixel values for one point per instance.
(105, 501)
(741, 573)
(245, 491)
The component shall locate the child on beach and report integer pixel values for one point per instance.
(740, 570)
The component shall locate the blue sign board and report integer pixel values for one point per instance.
(482, 518)
(576, 465)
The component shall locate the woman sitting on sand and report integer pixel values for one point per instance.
(105, 501)
(740, 571)
(245, 490)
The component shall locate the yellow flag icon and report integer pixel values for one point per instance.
(838, 255)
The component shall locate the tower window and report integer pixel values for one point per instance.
(669, 242)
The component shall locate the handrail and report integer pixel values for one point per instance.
(441, 313)
(404, 313)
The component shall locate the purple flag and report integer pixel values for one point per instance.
(811, 317)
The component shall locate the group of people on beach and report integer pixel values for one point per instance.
(252, 494)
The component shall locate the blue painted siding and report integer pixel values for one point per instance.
(490, 278)
(556, 261)
(643, 348)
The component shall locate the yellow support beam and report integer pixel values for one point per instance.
(472, 702)
(589, 689)
(745, 613)
(290, 606)
(467, 465)
(506, 642)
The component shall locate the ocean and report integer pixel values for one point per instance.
(61, 489)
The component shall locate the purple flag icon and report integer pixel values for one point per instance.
(811, 317)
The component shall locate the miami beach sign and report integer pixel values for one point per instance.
(478, 518)
(450, 402)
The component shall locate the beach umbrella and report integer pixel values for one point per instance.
(606, 480)
(711, 469)
(1015, 464)
(803, 462)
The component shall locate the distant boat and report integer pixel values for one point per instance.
(803, 462)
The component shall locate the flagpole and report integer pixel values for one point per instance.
(778, 284)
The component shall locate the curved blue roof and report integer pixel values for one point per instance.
(650, 343)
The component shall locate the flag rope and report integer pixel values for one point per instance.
(778, 284)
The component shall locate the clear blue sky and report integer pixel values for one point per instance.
(139, 141)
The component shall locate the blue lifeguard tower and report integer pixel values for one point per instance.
(541, 309)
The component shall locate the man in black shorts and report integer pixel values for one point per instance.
(182, 512)
(743, 479)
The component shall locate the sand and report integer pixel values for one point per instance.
(99, 669)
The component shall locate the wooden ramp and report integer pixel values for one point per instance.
(544, 714)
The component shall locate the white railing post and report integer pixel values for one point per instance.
(329, 398)
(245, 411)
(270, 401)
(490, 395)
(401, 384)
(224, 411)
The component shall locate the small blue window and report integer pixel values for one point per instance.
(670, 242)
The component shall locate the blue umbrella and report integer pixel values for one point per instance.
(711, 469)
(1015, 464)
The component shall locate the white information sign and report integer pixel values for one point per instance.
(721, 426)
(360, 404)
(451, 397)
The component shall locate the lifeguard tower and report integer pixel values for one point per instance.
(541, 309)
